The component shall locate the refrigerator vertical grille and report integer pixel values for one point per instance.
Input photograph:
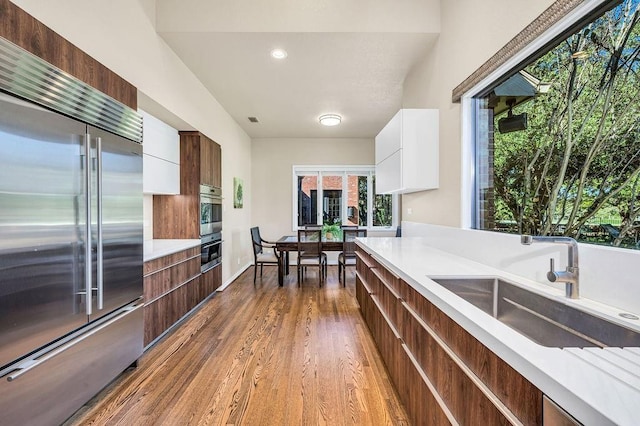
(30, 77)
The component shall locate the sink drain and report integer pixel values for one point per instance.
(628, 316)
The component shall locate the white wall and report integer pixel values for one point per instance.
(121, 35)
(273, 161)
(471, 32)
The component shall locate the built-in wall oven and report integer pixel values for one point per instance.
(210, 227)
(211, 251)
(210, 210)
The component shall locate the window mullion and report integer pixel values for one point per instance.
(320, 200)
(345, 199)
(370, 200)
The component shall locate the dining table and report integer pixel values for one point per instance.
(289, 243)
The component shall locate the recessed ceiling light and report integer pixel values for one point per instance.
(330, 119)
(279, 53)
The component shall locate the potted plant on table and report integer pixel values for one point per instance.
(331, 231)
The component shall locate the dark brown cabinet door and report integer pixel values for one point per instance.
(206, 161)
(210, 162)
(217, 165)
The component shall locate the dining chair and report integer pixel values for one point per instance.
(313, 227)
(348, 255)
(310, 253)
(260, 257)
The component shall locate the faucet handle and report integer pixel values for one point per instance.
(551, 275)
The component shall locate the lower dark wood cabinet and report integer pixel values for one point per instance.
(173, 286)
(443, 374)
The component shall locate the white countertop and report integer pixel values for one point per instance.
(154, 249)
(596, 386)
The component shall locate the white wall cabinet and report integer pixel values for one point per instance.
(407, 152)
(161, 156)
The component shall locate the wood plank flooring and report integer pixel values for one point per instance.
(263, 355)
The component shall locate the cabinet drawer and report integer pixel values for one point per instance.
(210, 281)
(160, 282)
(391, 280)
(388, 342)
(469, 401)
(364, 264)
(162, 313)
(388, 299)
(423, 403)
(169, 260)
(519, 395)
(362, 296)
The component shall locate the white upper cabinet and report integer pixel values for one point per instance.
(388, 140)
(407, 152)
(161, 156)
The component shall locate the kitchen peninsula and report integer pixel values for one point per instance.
(401, 304)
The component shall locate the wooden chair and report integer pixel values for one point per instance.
(260, 257)
(348, 255)
(317, 227)
(310, 253)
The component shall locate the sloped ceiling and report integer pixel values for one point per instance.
(348, 58)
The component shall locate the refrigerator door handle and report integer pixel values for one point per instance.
(100, 265)
(88, 243)
(30, 364)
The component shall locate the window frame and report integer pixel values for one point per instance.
(468, 101)
(344, 172)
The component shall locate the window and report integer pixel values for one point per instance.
(307, 199)
(345, 196)
(557, 141)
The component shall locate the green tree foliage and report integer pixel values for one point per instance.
(382, 205)
(581, 151)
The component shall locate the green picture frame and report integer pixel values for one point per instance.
(238, 193)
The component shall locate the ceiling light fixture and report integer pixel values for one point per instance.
(330, 119)
(279, 53)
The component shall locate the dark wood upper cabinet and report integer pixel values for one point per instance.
(203, 158)
(206, 161)
(216, 178)
(210, 162)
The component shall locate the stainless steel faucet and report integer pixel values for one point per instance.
(571, 275)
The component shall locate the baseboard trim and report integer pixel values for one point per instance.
(234, 276)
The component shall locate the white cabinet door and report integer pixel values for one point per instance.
(389, 139)
(420, 156)
(388, 174)
(159, 139)
(160, 176)
(414, 135)
(161, 156)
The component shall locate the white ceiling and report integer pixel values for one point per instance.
(334, 65)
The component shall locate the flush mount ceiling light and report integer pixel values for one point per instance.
(330, 119)
(279, 53)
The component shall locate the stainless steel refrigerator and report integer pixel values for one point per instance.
(70, 253)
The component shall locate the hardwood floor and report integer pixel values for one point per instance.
(263, 355)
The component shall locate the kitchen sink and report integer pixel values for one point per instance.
(546, 321)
